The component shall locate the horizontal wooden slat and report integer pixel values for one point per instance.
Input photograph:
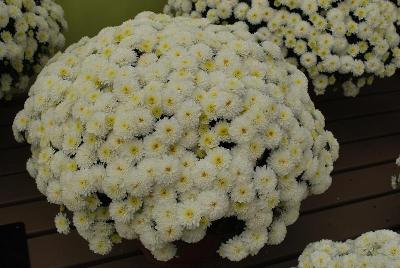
(17, 188)
(365, 127)
(354, 185)
(360, 106)
(142, 262)
(14, 160)
(286, 264)
(138, 261)
(7, 139)
(8, 110)
(57, 250)
(364, 153)
(37, 216)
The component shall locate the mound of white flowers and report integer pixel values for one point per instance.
(341, 43)
(158, 127)
(379, 249)
(30, 33)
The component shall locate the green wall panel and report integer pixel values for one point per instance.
(88, 17)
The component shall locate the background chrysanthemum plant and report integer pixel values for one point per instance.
(396, 179)
(159, 127)
(30, 33)
(373, 249)
(341, 43)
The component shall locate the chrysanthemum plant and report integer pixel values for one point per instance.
(338, 44)
(161, 127)
(30, 33)
(379, 249)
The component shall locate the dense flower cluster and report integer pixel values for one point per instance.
(30, 33)
(379, 249)
(337, 43)
(158, 127)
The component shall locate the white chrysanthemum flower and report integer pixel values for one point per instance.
(164, 212)
(54, 192)
(243, 192)
(125, 230)
(234, 249)
(189, 214)
(373, 249)
(215, 203)
(100, 245)
(203, 174)
(197, 124)
(31, 33)
(165, 253)
(277, 233)
(119, 212)
(265, 180)
(194, 235)
(62, 223)
(350, 39)
(255, 240)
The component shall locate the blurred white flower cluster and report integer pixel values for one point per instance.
(396, 179)
(342, 43)
(379, 249)
(30, 33)
(158, 127)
